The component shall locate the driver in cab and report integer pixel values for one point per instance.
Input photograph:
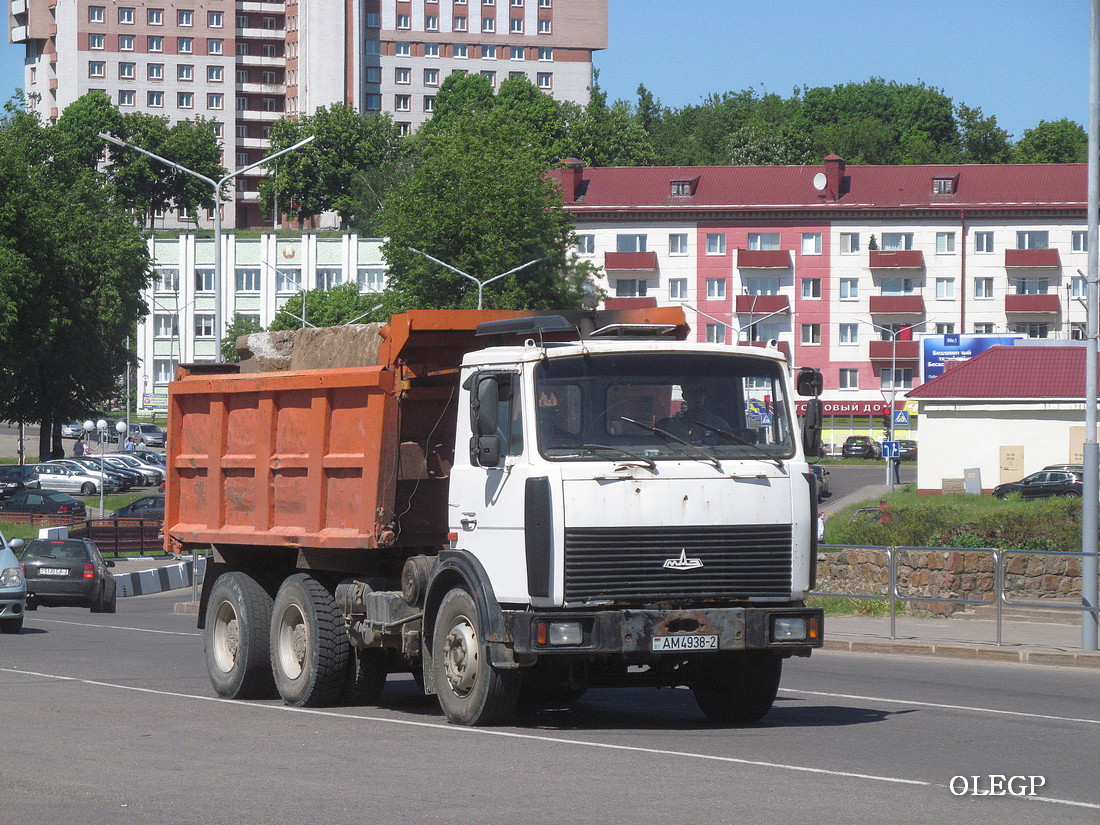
(697, 422)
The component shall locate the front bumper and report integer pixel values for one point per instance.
(631, 632)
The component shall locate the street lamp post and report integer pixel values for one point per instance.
(480, 284)
(100, 427)
(217, 184)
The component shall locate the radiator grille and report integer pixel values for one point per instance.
(627, 564)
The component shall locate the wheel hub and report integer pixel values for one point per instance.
(460, 658)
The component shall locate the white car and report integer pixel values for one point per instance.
(152, 475)
(71, 480)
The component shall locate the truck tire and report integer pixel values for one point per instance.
(470, 690)
(367, 672)
(737, 688)
(238, 627)
(309, 644)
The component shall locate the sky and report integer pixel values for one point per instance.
(1021, 61)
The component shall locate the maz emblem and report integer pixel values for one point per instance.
(683, 563)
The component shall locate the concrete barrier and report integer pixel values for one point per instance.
(158, 579)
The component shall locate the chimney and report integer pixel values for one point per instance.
(571, 180)
(834, 175)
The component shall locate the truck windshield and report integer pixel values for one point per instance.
(661, 406)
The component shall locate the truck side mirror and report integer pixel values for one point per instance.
(809, 382)
(484, 417)
(811, 427)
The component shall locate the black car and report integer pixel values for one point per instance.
(907, 450)
(16, 477)
(822, 480)
(861, 446)
(150, 508)
(46, 502)
(68, 573)
(1043, 484)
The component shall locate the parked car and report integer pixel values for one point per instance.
(151, 434)
(154, 475)
(70, 480)
(150, 508)
(46, 502)
(150, 457)
(861, 446)
(68, 573)
(71, 428)
(907, 450)
(91, 466)
(135, 478)
(16, 477)
(1072, 468)
(822, 480)
(13, 589)
(1043, 484)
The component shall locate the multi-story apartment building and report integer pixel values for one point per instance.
(245, 64)
(847, 267)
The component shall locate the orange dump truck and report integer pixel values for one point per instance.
(503, 503)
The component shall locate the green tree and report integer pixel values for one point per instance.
(766, 144)
(240, 325)
(334, 307)
(84, 120)
(537, 114)
(981, 140)
(321, 175)
(603, 135)
(480, 202)
(459, 96)
(1060, 141)
(72, 269)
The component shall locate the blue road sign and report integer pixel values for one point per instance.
(891, 449)
(901, 417)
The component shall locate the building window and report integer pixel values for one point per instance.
(215, 19)
(897, 241)
(431, 50)
(983, 242)
(126, 16)
(97, 68)
(167, 280)
(1033, 240)
(329, 276)
(515, 25)
(431, 77)
(811, 287)
(404, 21)
(402, 48)
(1033, 330)
(849, 289)
(185, 100)
(716, 334)
(983, 287)
(544, 27)
(945, 289)
(544, 4)
(371, 278)
(214, 74)
(630, 288)
(488, 25)
(1080, 240)
(516, 53)
(156, 43)
(761, 286)
(945, 243)
(459, 24)
(165, 325)
(248, 279)
(759, 241)
(1032, 286)
(945, 329)
(716, 243)
(811, 243)
(185, 71)
(849, 333)
(95, 14)
(204, 279)
(678, 244)
(214, 100)
(716, 288)
(164, 370)
(491, 77)
(984, 328)
(95, 41)
(402, 103)
(943, 186)
(586, 244)
(127, 97)
(288, 279)
(242, 47)
(849, 378)
(897, 379)
(431, 23)
(678, 289)
(546, 54)
(127, 71)
(204, 325)
(811, 334)
(403, 76)
(544, 80)
(214, 46)
(1078, 287)
(429, 103)
(373, 103)
(156, 17)
(488, 52)
(460, 50)
(126, 43)
(630, 243)
(898, 286)
(185, 18)
(155, 71)
(185, 45)
(849, 243)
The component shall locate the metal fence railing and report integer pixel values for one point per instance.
(1000, 598)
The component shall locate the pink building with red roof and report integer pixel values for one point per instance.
(846, 266)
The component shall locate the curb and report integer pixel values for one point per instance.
(1067, 658)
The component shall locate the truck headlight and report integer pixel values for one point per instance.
(788, 629)
(559, 633)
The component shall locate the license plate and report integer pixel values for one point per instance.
(53, 571)
(691, 641)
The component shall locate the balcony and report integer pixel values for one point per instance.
(761, 304)
(897, 259)
(261, 61)
(256, 33)
(897, 305)
(763, 259)
(277, 89)
(1032, 259)
(1033, 304)
(630, 261)
(884, 351)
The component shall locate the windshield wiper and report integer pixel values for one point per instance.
(701, 453)
(733, 438)
(649, 462)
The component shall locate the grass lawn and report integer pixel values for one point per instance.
(12, 530)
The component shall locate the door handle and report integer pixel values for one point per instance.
(469, 521)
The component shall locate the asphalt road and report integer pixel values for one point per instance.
(110, 719)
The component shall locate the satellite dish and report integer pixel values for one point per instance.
(819, 181)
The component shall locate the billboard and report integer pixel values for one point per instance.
(935, 349)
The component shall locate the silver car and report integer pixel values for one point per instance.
(71, 480)
(151, 434)
(151, 475)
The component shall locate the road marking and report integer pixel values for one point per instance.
(940, 706)
(458, 729)
(116, 627)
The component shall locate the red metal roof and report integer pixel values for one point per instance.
(1012, 372)
(736, 188)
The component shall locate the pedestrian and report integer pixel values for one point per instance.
(883, 513)
(130, 445)
(80, 448)
(820, 527)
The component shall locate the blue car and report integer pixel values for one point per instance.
(13, 589)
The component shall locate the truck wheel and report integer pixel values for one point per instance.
(470, 690)
(309, 645)
(737, 688)
(367, 672)
(238, 625)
